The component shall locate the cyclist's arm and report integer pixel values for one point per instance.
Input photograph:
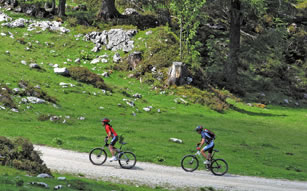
(202, 142)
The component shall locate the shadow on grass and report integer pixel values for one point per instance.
(254, 113)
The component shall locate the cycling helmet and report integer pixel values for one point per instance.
(105, 120)
(199, 128)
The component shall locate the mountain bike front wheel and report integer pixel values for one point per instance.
(98, 156)
(189, 163)
(219, 167)
(127, 160)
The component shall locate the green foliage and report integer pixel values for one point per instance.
(84, 75)
(5, 97)
(20, 154)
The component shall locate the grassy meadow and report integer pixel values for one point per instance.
(269, 142)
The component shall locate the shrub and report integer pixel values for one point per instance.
(30, 90)
(5, 97)
(20, 154)
(84, 75)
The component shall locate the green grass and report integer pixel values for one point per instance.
(13, 180)
(257, 142)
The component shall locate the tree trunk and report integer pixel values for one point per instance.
(231, 67)
(61, 12)
(108, 10)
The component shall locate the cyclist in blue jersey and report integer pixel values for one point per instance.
(208, 138)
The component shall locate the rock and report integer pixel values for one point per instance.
(286, 101)
(58, 187)
(14, 110)
(105, 75)
(7, 52)
(148, 32)
(159, 110)
(37, 86)
(61, 71)
(48, 25)
(101, 107)
(4, 17)
(180, 101)
(130, 11)
(134, 59)
(133, 113)
(77, 60)
(2, 107)
(35, 66)
(61, 178)
(249, 104)
(23, 62)
(129, 102)
(116, 58)
(18, 23)
(95, 61)
(44, 175)
(54, 118)
(81, 118)
(40, 184)
(147, 109)
(175, 140)
(177, 74)
(137, 95)
(35, 100)
(104, 60)
(2, 34)
(305, 96)
(16, 90)
(63, 84)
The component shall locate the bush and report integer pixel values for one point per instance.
(30, 90)
(20, 154)
(5, 97)
(84, 75)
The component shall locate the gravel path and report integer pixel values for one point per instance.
(156, 175)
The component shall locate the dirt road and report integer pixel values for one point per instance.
(157, 175)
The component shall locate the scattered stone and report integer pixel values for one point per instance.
(116, 57)
(4, 17)
(305, 96)
(286, 101)
(7, 52)
(101, 107)
(130, 11)
(48, 25)
(148, 32)
(44, 175)
(37, 86)
(18, 23)
(104, 60)
(105, 75)
(81, 118)
(2, 34)
(2, 107)
(77, 60)
(175, 140)
(61, 178)
(65, 85)
(134, 59)
(61, 71)
(14, 110)
(35, 100)
(40, 184)
(129, 102)
(180, 101)
(58, 187)
(95, 61)
(137, 95)
(23, 62)
(133, 113)
(249, 104)
(178, 74)
(54, 118)
(159, 110)
(34, 66)
(147, 109)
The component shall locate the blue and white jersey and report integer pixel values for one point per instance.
(206, 136)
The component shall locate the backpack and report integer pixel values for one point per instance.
(211, 134)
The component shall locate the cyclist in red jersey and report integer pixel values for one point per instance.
(111, 135)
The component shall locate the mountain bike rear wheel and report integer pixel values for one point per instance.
(98, 156)
(189, 163)
(127, 160)
(219, 167)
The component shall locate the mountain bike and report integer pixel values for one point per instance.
(126, 159)
(218, 167)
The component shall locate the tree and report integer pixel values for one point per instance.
(231, 67)
(61, 11)
(108, 10)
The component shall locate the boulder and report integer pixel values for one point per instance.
(130, 11)
(44, 175)
(134, 59)
(178, 74)
(116, 57)
(35, 100)
(61, 71)
(4, 17)
(18, 23)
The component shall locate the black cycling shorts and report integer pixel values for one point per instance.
(114, 140)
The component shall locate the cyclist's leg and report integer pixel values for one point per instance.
(208, 148)
(111, 146)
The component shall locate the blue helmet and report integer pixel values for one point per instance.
(199, 128)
